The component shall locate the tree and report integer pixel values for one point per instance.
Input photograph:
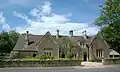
(109, 21)
(14, 36)
(110, 12)
(65, 47)
(5, 43)
(8, 41)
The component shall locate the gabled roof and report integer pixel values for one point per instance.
(99, 38)
(47, 34)
(113, 52)
(21, 42)
(36, 39)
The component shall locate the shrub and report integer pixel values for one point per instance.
(44, 57)
(14, 54)
(28, 57)
(70, 55)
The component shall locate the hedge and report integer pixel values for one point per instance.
(108, 61)
(39, 63)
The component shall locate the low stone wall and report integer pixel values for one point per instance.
(47, 63)
(110, 61)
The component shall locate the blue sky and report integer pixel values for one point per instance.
(39, 16)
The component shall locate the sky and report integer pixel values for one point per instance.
(40, 16)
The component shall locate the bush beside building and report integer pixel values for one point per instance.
(40, 62)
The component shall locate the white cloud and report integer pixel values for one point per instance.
(24, 17)
(46, 8)
(46, 20)
(54, 19)
(2, 19)
(5, 26)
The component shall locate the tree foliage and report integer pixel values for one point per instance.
(8, 41)
(109, 20)
(65, 46)
(110, 12)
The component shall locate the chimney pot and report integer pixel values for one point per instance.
(57, 35)
(27, 32)
(57, 32)
(27, 36)
(85, 34)
(71, 33)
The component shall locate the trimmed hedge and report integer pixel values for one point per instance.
(39, 63)
(70, 55)
(40, 57)
(108, 61)
(45, 57)
(36, 59)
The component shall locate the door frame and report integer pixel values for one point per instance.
(84, 56)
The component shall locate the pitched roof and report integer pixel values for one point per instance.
(20, 43)
(99, 40)
(113, 52)
(75, 39)
(47, 34)
(35, 39)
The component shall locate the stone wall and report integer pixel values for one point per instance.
(47, 63)
(109, 61)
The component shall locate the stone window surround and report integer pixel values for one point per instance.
(99, 53)
(48, 52)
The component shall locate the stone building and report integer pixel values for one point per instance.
(85, 47)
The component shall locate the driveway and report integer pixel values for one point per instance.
(95, 65)
(92, 64)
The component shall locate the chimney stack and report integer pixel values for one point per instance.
(57, 35)
(27, 36)
(71, 33)
(85, 34)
